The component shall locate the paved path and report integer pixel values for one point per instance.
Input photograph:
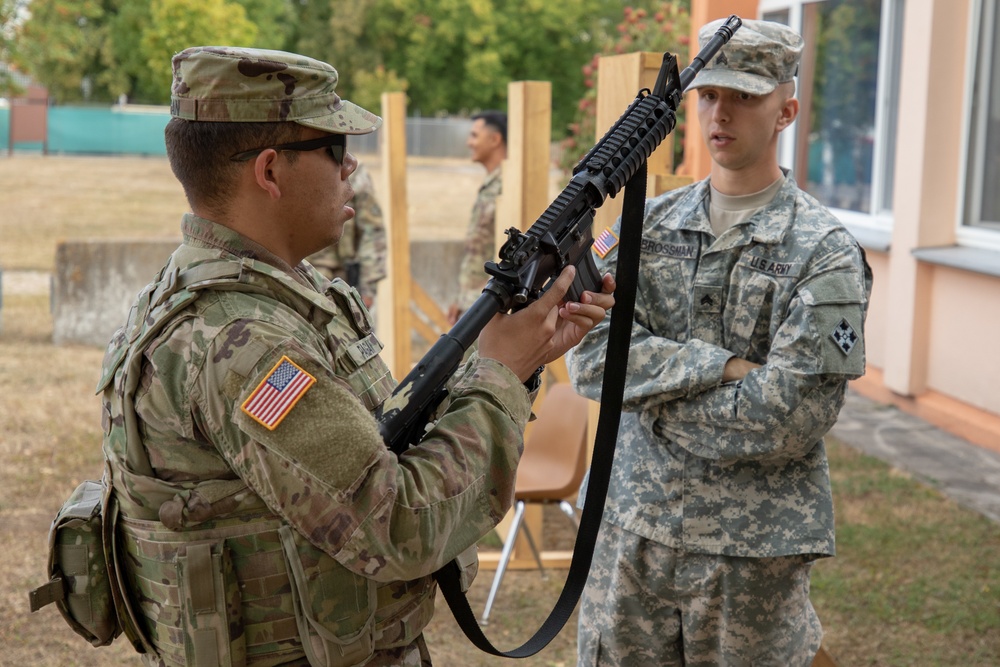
(965, 472)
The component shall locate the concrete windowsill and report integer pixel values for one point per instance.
(876, 240)
(978, 260)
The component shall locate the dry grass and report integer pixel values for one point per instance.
(45, 200)
(916, 582)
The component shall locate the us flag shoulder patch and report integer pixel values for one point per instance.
(278, 393)
(605, 243)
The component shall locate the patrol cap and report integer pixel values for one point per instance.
(760, 55)
(228, 84)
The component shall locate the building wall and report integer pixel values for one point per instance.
(876, 338)
(963, 360)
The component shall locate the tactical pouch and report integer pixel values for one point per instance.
(78, 571)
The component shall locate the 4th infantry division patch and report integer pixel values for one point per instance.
(275, 397)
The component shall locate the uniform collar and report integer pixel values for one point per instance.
(769, 225)
(201, 233)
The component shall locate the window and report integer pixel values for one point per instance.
(982, 208)
(843, 144)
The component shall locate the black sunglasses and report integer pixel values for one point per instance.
(335, 145)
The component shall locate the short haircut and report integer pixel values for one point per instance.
(494, 119)
(199, 153)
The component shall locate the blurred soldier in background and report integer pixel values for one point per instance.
(359, 257)
(488, 143)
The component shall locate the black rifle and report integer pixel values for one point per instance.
(561, 236)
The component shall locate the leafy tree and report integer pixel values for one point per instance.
(665, 27)
(459, 55)
(62, 46)
(10, 16)
(178, 24)
(98, 50)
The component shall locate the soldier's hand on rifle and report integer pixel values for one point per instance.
(546, 329)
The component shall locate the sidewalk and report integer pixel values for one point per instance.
(965, 472)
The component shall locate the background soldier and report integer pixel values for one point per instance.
(359, 257)
(488, 145)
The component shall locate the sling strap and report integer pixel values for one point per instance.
(612, 393)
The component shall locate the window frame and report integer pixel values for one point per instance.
(971, 230)
(876, 226)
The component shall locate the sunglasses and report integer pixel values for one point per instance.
(335, 145)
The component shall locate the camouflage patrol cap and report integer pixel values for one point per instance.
(228, 84)
(760, 55)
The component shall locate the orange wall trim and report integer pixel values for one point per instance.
(973, 424)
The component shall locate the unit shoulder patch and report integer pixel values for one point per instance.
(844, 336)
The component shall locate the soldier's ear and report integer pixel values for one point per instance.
(265, 166)
(789, 112)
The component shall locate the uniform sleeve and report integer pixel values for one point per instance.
(782, 409)
(659, 369)
(324, 468)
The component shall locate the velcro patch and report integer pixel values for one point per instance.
(278, 393)
(605, 243)
(844, 336)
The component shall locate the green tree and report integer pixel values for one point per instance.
(10, 17)
(664, 26)
(178, 24)
(62, 46)
(459, 55)
(98, 50)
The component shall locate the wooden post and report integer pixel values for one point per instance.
(393, 322)
(526, 169)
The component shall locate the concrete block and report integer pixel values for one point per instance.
(434, 266)
(95, 283)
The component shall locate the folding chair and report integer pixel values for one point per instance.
(551, 470)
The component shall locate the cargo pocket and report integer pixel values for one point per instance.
(79, 583)
(334, 608)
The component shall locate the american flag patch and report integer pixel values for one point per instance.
(275, 397)
(605, 243)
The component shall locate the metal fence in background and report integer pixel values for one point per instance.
(139, 131)
(425, 137)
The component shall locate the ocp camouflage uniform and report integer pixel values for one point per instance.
(708, 474)
(304, 541)
(480, 241)
(363, 243)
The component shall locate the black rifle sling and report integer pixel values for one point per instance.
(612, 391)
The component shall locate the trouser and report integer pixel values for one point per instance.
(648, 604)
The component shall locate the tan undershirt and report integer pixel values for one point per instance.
(724, 211)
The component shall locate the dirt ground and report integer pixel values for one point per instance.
(50, 439)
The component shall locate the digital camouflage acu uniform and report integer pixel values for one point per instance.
(480, 241)
(257, 517)
(711, 470)
(359, 257)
